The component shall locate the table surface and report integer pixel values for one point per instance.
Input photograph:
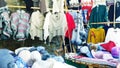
(94, 62)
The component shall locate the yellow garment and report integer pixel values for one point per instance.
(96, 35)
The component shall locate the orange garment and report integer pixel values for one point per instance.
(96, 35)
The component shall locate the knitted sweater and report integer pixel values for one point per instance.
(45, 26)
(113, 35)
(96, 35)
(58, 6)
(20, 25)
(98, 14)
(36, 21)
(57, 25)
(4, 19)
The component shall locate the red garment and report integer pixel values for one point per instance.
(108, 46)
(87, 6)
(70, 24)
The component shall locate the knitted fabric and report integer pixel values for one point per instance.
(20, 25)
(37, 22)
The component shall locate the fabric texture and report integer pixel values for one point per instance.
(108, 46)
(70, 24)
(58, 6)
(98, 14)
(96, 35)
(79, 31)
(105, 55)
(87, 5)
(5, 28)
(115, 51)
(46, 24)
(36, 22)
(6, 60)
(112, 35)
(43, 64)
(19, 62)
(25, 55)
(57, 25)
(20, 25)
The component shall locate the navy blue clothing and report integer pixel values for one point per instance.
(29, 4)
(111, 11)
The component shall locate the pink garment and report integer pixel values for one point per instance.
(87, 5)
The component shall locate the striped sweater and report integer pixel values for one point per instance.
(20, 25)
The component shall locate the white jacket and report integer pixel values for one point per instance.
(58, 6)
(55, 25)
(36, 22)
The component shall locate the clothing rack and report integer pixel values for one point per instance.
(22, 7)
(114, 12)
(106, 23)
(113, 18)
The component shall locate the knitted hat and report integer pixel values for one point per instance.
(25, 55)
(6, 59)
(36, 56)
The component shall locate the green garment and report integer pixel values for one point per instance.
(98, 14)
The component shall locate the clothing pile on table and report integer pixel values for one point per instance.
(31, 57)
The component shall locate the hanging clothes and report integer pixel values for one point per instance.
(113, 35)
(96, 35)
(74, 15)
(36, 22)
(20, 25)
(111, 11)
(70, 24)
(98, 2)
(5, 29)
(79, 32)
(58, 6)
(29, 4)
(98, 14)
(55, 25)
(46, 24)
(87, 5)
